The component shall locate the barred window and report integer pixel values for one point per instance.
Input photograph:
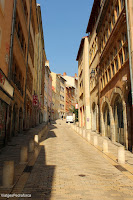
(117, 10)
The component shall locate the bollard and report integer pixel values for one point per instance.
(36, 152)
(36, 139)
(105, 146)
(31, 145)
(121, 155)
(80, 131)
(89, 137)
(84, 133)
(8, 174)
(24, 154)
(95, 140)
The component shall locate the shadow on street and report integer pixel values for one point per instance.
(39, 184)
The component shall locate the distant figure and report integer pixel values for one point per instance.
(62, 117)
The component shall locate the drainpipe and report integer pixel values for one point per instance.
(129, 49)
(24, 114)
(11, 40)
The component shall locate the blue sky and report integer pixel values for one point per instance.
(64, 24)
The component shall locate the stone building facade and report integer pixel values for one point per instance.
(22, 62)
(110, 66)
(114, 79)
(6, 87)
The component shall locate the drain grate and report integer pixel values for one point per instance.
(119, 167)
(28, 169)
(82, 175)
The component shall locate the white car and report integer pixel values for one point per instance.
(69, 119)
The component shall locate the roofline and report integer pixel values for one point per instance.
(80, 47)
(91, 15)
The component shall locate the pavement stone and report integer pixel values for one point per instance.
(68, 167)
(12, 152)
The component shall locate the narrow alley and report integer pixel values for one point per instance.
(68, 167)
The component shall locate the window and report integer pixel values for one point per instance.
(126, 53)
(2, 4)
(107, 34)
(107, 77)
(113, 19)
(113, 70)
(122, 4)
(115, 51)
(117, 10)
(109, 72)
(124, 37)
(110, 27)
(121, 58)
(116, 64)
(101, 83)
(111, 56)
(120, 43)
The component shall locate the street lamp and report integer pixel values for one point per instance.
(93, 73)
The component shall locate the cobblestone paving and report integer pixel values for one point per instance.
(69, 168)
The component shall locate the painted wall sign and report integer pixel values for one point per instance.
(35, 100)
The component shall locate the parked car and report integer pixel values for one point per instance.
(69, 119)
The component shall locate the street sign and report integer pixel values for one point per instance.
(35, 100)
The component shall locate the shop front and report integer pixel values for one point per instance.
(6, 97)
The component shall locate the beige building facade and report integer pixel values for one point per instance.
(62, 96)
(56, 95)
(84, 103)
(110, 64)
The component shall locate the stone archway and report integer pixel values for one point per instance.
(106, 120)
(119, 109)
(94, 117)
(118, 119)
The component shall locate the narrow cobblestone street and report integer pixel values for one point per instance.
(68, 167)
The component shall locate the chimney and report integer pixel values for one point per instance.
(64, 74)
(75, 75)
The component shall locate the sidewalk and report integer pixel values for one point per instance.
(11, 152)
(111, 156)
